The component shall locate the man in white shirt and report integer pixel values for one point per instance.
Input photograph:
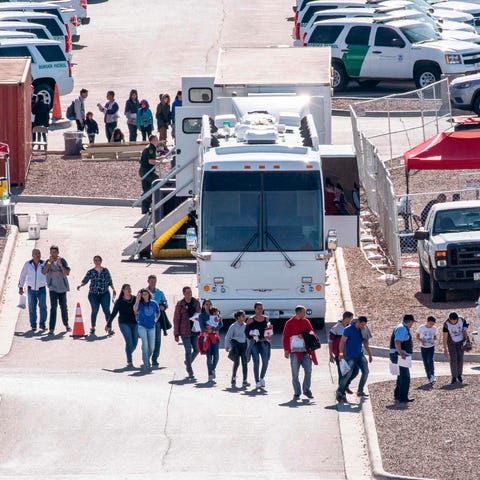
(36, 289)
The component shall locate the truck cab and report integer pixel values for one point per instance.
(449, 248)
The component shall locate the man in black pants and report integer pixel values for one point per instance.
(401, 345)
(147, 161)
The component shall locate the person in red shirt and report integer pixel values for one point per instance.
(292, 340)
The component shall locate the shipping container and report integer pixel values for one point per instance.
(16, 115)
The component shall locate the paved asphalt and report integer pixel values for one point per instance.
(68, 407)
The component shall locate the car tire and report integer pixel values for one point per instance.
(438, 294)
(340, 78)
(426, 75)
(47, 91)
(476, 104)
(424, 279)
(368, 83)
(317, 323)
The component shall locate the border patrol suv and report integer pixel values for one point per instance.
(370, 50)
(49, 64)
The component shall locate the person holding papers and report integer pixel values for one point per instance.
(186, 311)
(401, 349)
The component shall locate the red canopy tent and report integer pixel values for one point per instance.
(445, 151)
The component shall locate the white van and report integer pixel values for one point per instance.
(57, 29)
(65, 15)
(49, 65)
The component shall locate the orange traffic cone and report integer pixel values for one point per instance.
(57, 109)
(78, 328)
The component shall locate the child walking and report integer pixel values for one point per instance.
(91, 126)
(236, 344)
(427, 334)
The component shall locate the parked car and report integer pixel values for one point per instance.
(12, 34)
(399, 15)
(57, 28)
(303, 16)
(80, 7)
(369, 50)
(65, 15)
(463, 20)
(465, 93)
(49, 67)
(40, 31)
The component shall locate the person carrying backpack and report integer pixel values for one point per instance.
(79, 109)
(296, 349)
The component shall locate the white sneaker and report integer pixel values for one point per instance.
(262, 381)
(258, 384)
(432, 379)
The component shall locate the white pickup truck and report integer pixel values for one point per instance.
(449, 248)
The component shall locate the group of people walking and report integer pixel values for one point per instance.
(143, 316)
(139, 116)
(349, 348)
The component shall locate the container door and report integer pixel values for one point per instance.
(340, 179)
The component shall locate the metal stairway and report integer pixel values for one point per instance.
(148, 237)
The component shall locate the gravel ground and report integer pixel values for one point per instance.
(83, 178)
(433, 437)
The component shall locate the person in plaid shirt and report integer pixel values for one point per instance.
(99, 295)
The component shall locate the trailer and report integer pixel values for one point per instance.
(253, 152)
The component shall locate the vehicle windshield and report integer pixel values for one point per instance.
(461, 220)
(420, 33)
(267, 211)
(421, 17)
(422, 4)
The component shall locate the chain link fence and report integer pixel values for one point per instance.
(384, 129)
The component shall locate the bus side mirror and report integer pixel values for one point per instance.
(191, 239)
(332, 240)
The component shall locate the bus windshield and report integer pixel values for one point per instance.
(261, 211)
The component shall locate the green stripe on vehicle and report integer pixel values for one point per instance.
(353, 59)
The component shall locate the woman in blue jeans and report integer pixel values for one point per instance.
(98, 294)
(127, 321)
(255, 332)
(210, 324)
(147, 311)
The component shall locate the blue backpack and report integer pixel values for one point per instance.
(70, 113)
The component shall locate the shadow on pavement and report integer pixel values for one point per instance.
(121, 370)
(256, 392)
(29, 334)
(93, 338)
(206, 385)
(58, 336)
(183, 381)
(296, 403)
(141, 373)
